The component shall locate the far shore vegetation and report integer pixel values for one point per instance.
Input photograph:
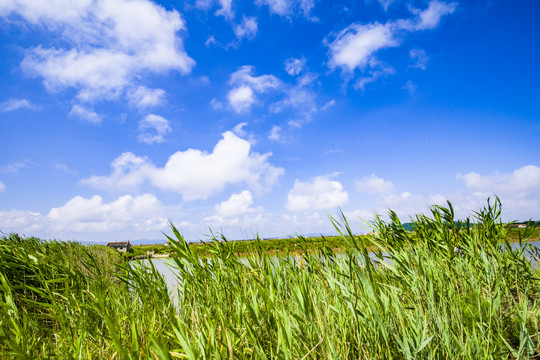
(448, 289)
(528, 231)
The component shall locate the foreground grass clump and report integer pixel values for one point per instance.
(447, 290)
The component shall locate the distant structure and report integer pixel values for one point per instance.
(123, 246)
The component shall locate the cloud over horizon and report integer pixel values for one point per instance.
(192, 173)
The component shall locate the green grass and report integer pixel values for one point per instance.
(448, 290)
(300, 244)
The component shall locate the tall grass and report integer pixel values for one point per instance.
(448, 290)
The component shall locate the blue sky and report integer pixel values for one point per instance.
(262, 116)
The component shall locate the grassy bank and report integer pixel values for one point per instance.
(299, 244)
(448, 290)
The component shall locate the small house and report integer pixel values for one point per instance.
(123, 246)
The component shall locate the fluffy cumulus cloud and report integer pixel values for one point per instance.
(374, 185)
(356, 46)
(85, 218)
(86, 114)
(94, 214)
(523, 179)
(143, 97)
(245, 86)
(16, 104)
(108, 43)
(318, 193)
(298, 97)
(153, 129)
(237, 204)
(193, 173)
(518, 191)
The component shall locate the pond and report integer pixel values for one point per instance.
(163, 265)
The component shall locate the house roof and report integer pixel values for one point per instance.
(118, 243)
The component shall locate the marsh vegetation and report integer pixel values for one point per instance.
(447, 290)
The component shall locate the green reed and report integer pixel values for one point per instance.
(448, 290)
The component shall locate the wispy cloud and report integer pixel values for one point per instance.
(13, 167)
(66, 169)
(294, 66)
(245, 86)
(374, 185)
(419, 58)
(16, 104)
(275, 133)
(86, 114)
(290, 7)
(153, 129)
(247, 28)
(356, 46)
(143, 97)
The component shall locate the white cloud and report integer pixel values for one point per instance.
(21, 221)
(143, 97)
(374, 185)
(289, 7)
(525, 179)
(153, 129)
(519, 192)
(241, 98)
(16, 104)
(237, 204)
(299, 97)
(204, 4)
(245, 85)
(356, 46)
(13, 168)
(80, 214)
(410, 86)
(294, 66)
(386, 3)
(193, 173)
(430, 18)
(66, 169)
(376, 71)
(210, 41)
(216, 104)
(86, 114)
(92, 219)
(247, 29)
(275, 133)
(2, 187)
(243, 76)
(329, 104)
(226, 9)
(239, 129)
(420, 58)
(318, 193)
(112, 42)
